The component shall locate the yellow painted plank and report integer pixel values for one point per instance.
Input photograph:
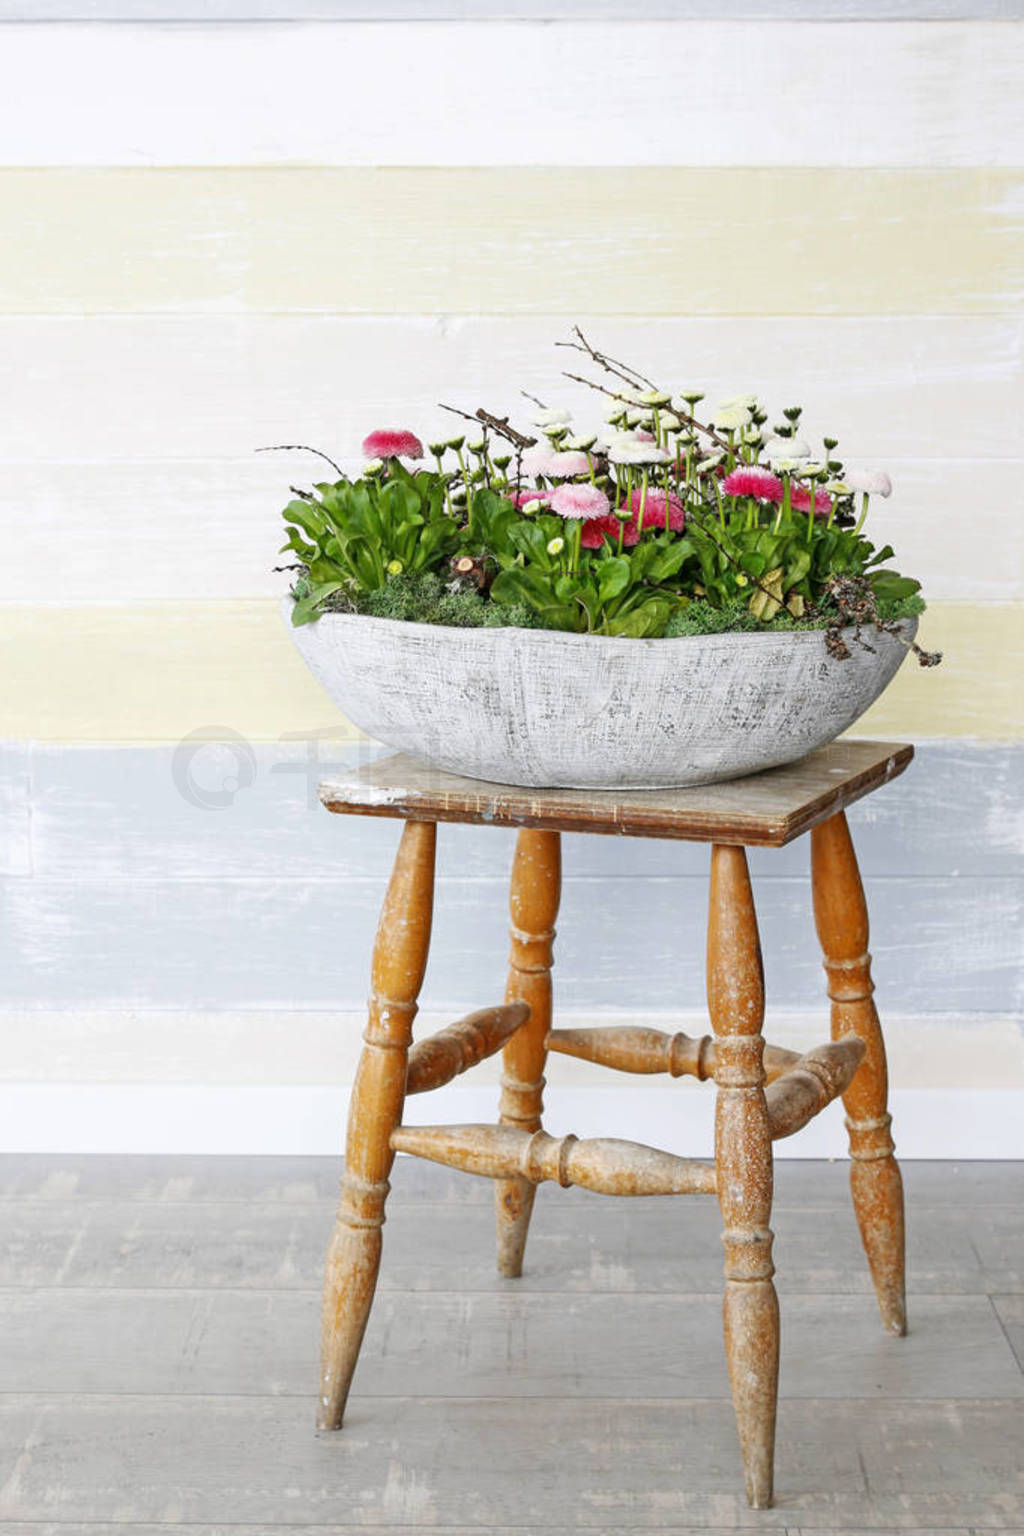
(161, 671)
(517, 240)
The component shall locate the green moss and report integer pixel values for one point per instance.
(427, 599)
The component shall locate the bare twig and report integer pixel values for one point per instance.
(498, 424)
(299, 448)
(690, 421)
(622, 371)
(527, 396)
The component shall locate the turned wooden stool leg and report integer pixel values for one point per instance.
(743, 1156)
(841, 916)
(533, 904)
(353, 1257)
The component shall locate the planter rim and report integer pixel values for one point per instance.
(570, 637)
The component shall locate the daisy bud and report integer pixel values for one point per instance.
(728, 417)
(395, 567)
(502, 460)
(654, 397)
(535, 505)
(793, 413)
(692, 398)
(456, 442)
(479, 446)
(438, 449)
(555, 546)
(373, 466)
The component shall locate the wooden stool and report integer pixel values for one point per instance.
(763, 1092)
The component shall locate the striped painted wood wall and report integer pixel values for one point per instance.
(260, 221)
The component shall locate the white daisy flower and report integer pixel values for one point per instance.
(874, 481)
(728, 417)
(786, 448)
(551, 417)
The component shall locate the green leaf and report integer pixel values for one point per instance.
(304, 611)
(613, 577)
(890, 585)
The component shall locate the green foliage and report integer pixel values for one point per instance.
(386, 544)
(351, 537)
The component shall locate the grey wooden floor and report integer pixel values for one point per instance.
(159, 1336)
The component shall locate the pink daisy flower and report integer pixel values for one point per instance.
(541, 460)
(654, 511)
(801, 500)
(594, 532)
(753, 480)
(392, 443)
(581, 501)
(520, 499)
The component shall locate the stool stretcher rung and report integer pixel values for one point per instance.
(629, 1048)
(459, 1046)
(818, 1077)
(601, 1164)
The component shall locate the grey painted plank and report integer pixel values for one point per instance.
(507, 10)
(946, 946)
(513, 1344)
(130, 812)
(15, 809)
(303, 1181)
(576, 1247)
(589, 1463)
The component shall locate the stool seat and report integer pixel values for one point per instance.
(765, 810)
(763, 1092)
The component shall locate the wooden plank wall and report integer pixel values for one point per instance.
(261, 221)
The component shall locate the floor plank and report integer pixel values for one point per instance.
(305, 1180)
(576, 1246)
(517, 1344)
(438, 1462)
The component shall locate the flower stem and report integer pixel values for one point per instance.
(863, 513)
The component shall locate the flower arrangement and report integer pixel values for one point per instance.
(660, 523)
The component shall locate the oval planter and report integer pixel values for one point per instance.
(554, 710)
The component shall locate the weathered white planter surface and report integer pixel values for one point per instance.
(542, 708)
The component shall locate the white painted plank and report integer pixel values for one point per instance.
(295, 1047)
(125, 531)
(834, 93)
(507, 10)
(206, 387)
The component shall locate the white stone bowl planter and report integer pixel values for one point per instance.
(547, 709)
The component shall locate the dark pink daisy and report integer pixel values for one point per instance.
(753, 480)
(392, 443)
(594, 532)
(654, 511)
(801, 500)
